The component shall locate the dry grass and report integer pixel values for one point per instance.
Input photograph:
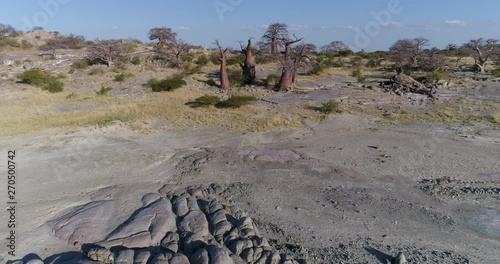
(31, 112)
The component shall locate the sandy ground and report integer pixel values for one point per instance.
(347, 190)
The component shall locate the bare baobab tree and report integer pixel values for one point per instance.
(275, 36)
(481, 50)
(162, 34)
(408, 51)
(248, 67)
(106, 51)
(224, 77)
(173, 51)
(291, 63)
(335, 47)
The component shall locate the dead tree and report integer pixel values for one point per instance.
(224, 77)
(106, 51)
(275, 36)
(408, 51)
(162, 34)
(290, 64)
(481, 50)
(335, 47)
(248, 67)
(64, 42)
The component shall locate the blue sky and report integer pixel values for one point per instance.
(318, 21)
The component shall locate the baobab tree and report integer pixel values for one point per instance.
(64, 42)
(408, 51)
(481, 50)
(173, 51)
(7, 30)
(106, 51)
(290, 64)
(162, 34)
(248, 67)
(335, 47)
(275, 36)
(224, 77)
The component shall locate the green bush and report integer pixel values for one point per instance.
(236, 76)
(104, 91)
(263, 59)
(97, 71)
(236, 102)
(166, 84)
(120, 77)
(235, 60)
(80, 64)
(187, 58)
(36, 77)
(53, 86)
(215, 58)
(188, 69)
(436, 76)
(202, 60)
(206, 100)
(496, 72)
(272, 79)
(136, 60)
(357, 73)
(318, 69)
(26, 45)
(330, 107)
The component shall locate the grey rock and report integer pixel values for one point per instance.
(179, 259)
(180, 206)
(200, 257)
(248, 255)
(125, 256)
(84, 224)
(171, 241)
(219, 255)
(150, 198)
(102, 255)
(34, 261)
(157, 219)
(160, 258)
(400, 259)
(195, 222)
(238, 246)
(142, 257)
(263, 258)
(192, 242)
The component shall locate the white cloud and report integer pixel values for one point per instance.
(456, 23)
(295, 27)
(345, 27)
(182, 28)
(394, 25)
(115, 28)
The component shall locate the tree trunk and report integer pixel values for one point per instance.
(287, 80)
(248, 67)
(224, 78)
(274, 46)
(53, 54)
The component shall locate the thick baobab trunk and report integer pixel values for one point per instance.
(481, 65)
(287, 80)
(224, 77)
(274, 46)
(290, 65)
(248, 67)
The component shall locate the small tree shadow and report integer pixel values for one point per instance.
(381, 256)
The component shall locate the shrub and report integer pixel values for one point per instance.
(235, 60)
(436, 76)
(357, 73)
(330, 107)
(339, 63)
(187, 58)
(202, 60)
(215, 58)
(236, 76)
(188, 69)
(104, 91)
(136, 60)
(53, 86)
(263, 59)
(317, 69)
(236, 102)
(120, 77)
(496, 72)
(36, 77)
(272, 79)
(81, 64)
(166, 84)
(206, 100)
(97, 71)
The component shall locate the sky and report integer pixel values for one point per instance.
(361, 24)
